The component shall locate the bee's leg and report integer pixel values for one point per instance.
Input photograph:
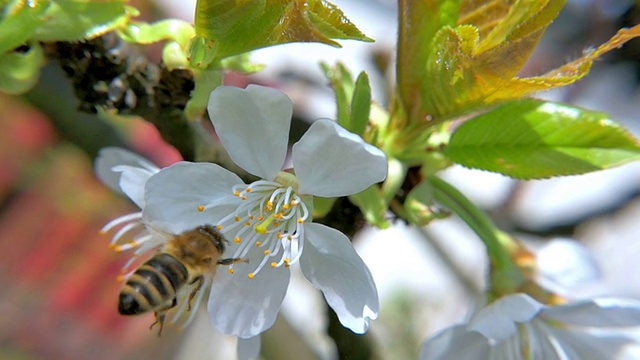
(160, 316)
(232, 261)
(200, 281)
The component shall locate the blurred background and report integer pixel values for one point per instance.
(58, 275)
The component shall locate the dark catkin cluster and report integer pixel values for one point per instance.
(111, 74)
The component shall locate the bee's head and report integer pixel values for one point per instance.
(214, 235)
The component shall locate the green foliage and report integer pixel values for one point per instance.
(532, 139)
(353, 99)
(20, 70)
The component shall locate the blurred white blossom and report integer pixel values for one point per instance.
(519, 327)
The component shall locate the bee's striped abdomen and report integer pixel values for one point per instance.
(153, 285)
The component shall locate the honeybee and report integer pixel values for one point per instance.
(187, 259)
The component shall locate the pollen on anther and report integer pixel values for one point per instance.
(266, 252)
(258, 243)
(274, 264)
(237, 240)
(247, 223)
(250, 217)
(236, 193)
(219, 227)
(230, 271)
(244, 197)
(279, 235)
(300, 220)
(260, 218)
(250, 275)
(120, 278)
(248, 190)
(237, 218)
(201, 208)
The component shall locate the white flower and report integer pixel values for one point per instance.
(268, 221)
(519, 327)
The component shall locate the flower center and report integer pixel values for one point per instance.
(269, 221)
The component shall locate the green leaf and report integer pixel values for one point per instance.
(360, 105)
(19, 22)
(533, 139)
(342, 83)
(75, 20)
(19, 71)
(242, 26)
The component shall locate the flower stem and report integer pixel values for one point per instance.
(505, 274)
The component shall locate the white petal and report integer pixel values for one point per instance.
(246, 307)
(173, 195)
(604, 312)
(329, 161)
(331, 264)
(249, 349)
(567, 262)
(110, 157)
(133, 181)
(455, 343)
(253, 126)
(498, 320)
(586, 346)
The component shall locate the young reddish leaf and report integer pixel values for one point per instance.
(472, 65)
(240, 26)
(532, 139)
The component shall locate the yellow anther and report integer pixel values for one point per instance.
(285, 206)
(269, 205)
(244, 197)
(286, 260)
(250, 217)
(248, 190)
(260, 218)
(287, 265)
(201, 208)
(289, 237)
(237, 218)
(237, 240)
(120, 278)
(236, 193)
(274, 264)
(278, 216)
(248, 223)
(300, 220)
(250, 275)
(219, 227)
(230, 271)
(258, 243)
(279, 235)
(266, 252)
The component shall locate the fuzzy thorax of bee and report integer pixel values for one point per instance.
(268, 220)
